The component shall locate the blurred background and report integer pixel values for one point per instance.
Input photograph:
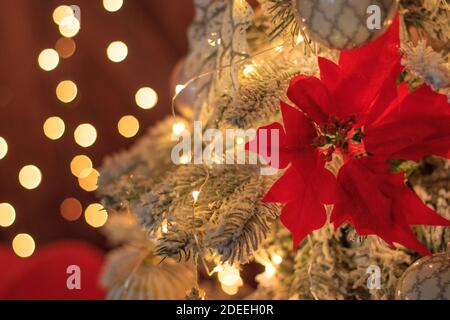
(64, 87)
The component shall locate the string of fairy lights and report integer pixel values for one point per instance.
(228, 275)
(69, 22)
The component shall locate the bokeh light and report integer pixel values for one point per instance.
(90, 182)
(85, 135)
(96, 215)
(112, 5)
(70, 27)
(62, 14)
(48, 59)
(30, 177)
(81, 166)
(3, 148)
(146, 98)
(65, 47)
(117, 51)
(128, 126)
(54, 128)
(71, 209)
(66, 91)
(7, 215)
(23, 245)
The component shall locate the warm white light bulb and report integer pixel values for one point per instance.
(270, 270)
(195, 195)
(178, 128)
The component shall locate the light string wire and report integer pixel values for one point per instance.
(233, 64)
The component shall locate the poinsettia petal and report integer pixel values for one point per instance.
(269, 148)
(343, 88)
(376, 63)
(285, 189)
(361, 203)
(303, 217)
(402, 234)
(308, 171)
(304, 193)
(377, 204)
(311, 96)
(411, 128)
(300, 131)
(408, 204)
(324, 183)
(385, 103)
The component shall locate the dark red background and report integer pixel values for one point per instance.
(155, 32)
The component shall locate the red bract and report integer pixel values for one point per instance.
(356, 111)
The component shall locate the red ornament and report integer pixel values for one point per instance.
(357, 111)
(44, 275)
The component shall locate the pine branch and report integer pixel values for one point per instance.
(129, 174)
(283, 17)
(243, 224)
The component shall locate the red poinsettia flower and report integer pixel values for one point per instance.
(307, 185)
(356, 111)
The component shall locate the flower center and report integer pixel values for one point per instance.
(339, 134)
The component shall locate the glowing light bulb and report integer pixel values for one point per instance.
(300, 39)
(195, 195)
(217, 269)
(146, 98)
(179, 88)
(54, 128)
(230, 290)
(48, 59)
(270, 270)
(117, 51)
(178, 128)
(3, 148)
(85, 135)
(277, 259)
(112, 5)
(30, 177)
(249, 69)
(23, 245)
(164, 227)
(7, 215)
(128, 126)
(96, 215)
(66, 91)
(185, 159)
(229, 275)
